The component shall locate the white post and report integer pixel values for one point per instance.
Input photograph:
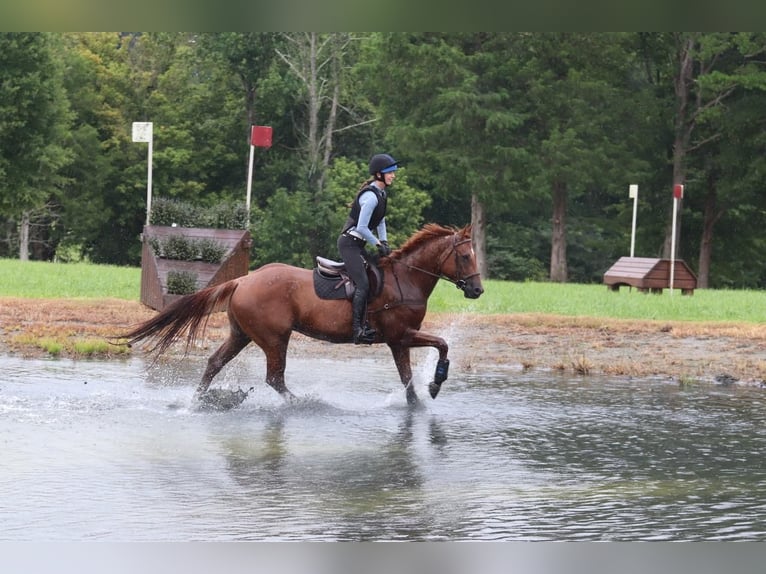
(260, 136)
(144, 132)
(149, 183)
(678, 193)
(673, 246)
(249, 182)
(633, 192)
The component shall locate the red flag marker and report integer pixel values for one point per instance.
(260, 136)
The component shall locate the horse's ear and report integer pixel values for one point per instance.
(467, 231)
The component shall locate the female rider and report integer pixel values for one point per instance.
(368, 211)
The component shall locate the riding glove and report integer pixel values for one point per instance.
(383, 249)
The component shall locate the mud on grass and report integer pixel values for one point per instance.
(577, 345)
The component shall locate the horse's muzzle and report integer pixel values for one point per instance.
(472, 291)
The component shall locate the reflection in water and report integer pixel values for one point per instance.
(116, 451)
(340, 483)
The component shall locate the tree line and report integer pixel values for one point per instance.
(534, 138)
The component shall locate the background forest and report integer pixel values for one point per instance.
(532, 137)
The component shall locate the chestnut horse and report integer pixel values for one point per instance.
(268, 304)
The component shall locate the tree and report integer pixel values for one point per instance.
(575, 99)
(708, 71)
(34, 119)
(321, 64)
(447, 102)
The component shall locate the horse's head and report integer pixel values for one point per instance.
(443, 253)
(459, 264)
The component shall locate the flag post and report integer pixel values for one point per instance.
(678, 193)
(260, 136)
(633, 193)
(249, 181)
(144, 132)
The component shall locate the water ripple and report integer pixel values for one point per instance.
(116, 451)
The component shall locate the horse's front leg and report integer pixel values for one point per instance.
(402, 360)
(418, 339)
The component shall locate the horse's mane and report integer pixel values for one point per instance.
(427, 233)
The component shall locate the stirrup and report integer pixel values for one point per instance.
(364, 336)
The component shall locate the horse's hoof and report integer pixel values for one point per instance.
(434, 388)
(220, 399)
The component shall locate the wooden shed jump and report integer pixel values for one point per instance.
(650, 274)
(154, 270)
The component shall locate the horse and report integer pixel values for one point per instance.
(269, 303)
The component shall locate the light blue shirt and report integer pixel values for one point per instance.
(367, 203)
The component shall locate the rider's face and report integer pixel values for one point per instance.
(388, 178)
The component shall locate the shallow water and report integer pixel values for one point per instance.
(115, 451)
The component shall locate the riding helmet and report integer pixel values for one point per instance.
(382, 163)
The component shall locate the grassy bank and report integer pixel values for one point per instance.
(43, 280)
(502, 297)
(81, 280)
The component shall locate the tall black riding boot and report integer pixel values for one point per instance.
(363, 334)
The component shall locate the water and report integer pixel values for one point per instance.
(114, 451)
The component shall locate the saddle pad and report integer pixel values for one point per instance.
(331, 287)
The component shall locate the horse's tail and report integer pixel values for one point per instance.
(188, 314)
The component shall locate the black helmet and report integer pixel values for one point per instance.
(382, 163)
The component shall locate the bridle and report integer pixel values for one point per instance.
(460, 282)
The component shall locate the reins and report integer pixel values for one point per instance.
(460, 283)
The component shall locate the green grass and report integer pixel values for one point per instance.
(597, 301)
(38, 279)
(83, 280)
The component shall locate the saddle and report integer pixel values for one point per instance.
(331, 281)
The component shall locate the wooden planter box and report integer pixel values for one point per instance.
(649, 274)
(154, 270)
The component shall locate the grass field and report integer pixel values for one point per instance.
(35, 279)
(38, 279)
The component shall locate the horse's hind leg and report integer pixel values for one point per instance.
(230, 348)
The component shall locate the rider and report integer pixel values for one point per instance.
(368, 210)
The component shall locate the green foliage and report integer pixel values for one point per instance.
(171, 212)
(178, 247)
(181, 282)
(505, 265)
(223, 215)
(479, 116)
(210, 250)
(34, 119)
(51, 346)
(283, 231)
(184, 248)
(405, 203)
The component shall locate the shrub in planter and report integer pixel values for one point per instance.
(156, 245)
(228, 215)
(179, 247)
(210, 250)
(170, 211)
(223, 215)
(182, 282)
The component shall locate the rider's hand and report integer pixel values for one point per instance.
(383, 249)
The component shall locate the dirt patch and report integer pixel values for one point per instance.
(583, 345)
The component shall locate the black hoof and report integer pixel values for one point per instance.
(433, 389)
